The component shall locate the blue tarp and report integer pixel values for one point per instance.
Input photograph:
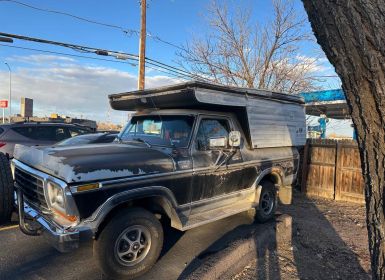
(323, 95)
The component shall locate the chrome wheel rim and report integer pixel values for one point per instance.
(267, 203)
(133, 245)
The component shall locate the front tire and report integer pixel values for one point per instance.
(130, 244)
(6, 190)
(267, 202)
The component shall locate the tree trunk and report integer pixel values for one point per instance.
(352, 34)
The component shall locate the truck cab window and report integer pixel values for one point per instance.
(171, 131)
(211, 128)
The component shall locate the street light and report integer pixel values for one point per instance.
(10, 91)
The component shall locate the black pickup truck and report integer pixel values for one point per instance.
(193, 153)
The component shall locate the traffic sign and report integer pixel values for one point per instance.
(3, 104)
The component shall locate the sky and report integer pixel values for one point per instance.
(78, 87)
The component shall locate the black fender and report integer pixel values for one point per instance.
(163, 196)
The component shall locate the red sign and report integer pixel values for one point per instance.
(3, 103)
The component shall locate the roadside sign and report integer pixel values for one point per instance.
(3, 104)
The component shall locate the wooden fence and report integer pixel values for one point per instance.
(332, 169)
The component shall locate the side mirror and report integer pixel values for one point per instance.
(234, 139)
(220, 142)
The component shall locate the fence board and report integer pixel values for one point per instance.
(349, 183)
(332, 169)
(320, 169)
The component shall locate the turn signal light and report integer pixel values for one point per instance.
(67, 217)
(88, 187)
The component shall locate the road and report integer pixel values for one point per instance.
(26, 257)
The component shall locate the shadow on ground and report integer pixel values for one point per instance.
(312, 249)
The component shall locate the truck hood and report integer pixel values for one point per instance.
(96, 162)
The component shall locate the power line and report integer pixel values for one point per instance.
(67, 54)
(116, 54)
(94, 58)
(66, 45)
(127, 31)
(71, 15)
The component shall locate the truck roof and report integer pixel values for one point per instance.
(194, 94)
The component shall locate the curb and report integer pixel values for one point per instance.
(240, 252)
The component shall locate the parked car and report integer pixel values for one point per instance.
(193, 152)
(6, 190)
(36, 133)
(92, 138)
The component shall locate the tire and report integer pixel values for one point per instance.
(117, 237)
(267, 202)
(6, 190)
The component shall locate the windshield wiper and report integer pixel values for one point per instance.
(142, 141)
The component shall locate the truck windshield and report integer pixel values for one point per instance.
(171, 131)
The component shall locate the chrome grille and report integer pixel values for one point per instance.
(32, 188)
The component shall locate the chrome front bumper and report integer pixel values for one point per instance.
(64, 240)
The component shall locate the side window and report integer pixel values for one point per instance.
(211, 128)
(25, 131)
(61, 133)
(49, 133)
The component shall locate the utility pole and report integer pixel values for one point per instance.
(142, 44)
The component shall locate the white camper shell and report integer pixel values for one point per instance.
(269, 119)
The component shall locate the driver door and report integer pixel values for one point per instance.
(211, 179)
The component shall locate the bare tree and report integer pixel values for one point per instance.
(351, 33)
(240, 52)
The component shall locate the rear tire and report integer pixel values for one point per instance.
(267, 202)
(6, 190)
(130, 244)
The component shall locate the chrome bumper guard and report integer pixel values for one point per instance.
(64, 240)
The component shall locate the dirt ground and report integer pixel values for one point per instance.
(328, 241)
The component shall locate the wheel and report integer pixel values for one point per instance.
(130, 244)
(267, 202)
(6, 190)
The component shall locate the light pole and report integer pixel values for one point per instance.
(10, 91)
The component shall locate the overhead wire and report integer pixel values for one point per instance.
(66, 54)
(125, 30)
(70, 15)
(128, 31)
(128, 56)
(94, 58)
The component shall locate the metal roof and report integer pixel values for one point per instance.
(332, 103)
(194, 94)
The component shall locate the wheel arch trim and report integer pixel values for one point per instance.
(275, 171)
(117, 200)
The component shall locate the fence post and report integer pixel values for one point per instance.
(305, 165)
(337, 172)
